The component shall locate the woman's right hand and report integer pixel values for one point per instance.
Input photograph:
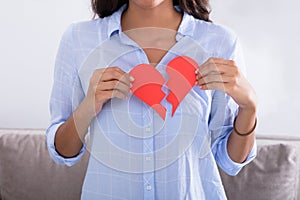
(105, 84)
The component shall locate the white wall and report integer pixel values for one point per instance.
(30, 34)
(269, 31)
(31, 30)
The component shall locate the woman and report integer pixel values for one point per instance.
(135, 153)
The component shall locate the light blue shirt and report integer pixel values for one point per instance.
(135, 154)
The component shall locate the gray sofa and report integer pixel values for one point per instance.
(28, 173)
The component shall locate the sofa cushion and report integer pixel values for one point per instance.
(27, 172)
(31, 174)
(272, 175)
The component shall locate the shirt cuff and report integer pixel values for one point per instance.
(226, 163)
(51, 131)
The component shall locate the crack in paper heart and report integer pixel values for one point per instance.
(148, 83)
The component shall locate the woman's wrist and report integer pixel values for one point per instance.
(250, 109)
(87, 109)
(246, 119)
(249, 105)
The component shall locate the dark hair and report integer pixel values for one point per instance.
(198, 8)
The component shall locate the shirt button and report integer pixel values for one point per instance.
(148, 129)
(149, 187)
(148, 158)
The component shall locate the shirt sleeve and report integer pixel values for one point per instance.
(223, 111)
(66, 95)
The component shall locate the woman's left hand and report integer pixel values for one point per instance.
(225, 76)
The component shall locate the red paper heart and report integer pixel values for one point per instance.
(182, 78)
(147, 87)
(148, 83)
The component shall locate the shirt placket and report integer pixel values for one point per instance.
(148, 145)
(148, 161)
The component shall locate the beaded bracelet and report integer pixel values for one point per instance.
(244, 134)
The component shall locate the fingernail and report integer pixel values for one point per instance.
(130, 85)
(197, 70)
(131, 78)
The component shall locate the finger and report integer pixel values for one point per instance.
(208, 67)
(109, 94)
(222, 61)
(111, 73)
(115, 74)
(212, 68)
(220, 86)
(119, 70)
(117, 94)
(114, 85)
(215, 78)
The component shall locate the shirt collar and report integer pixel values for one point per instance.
(186, 27)
(114, 21)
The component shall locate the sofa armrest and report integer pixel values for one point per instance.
(27, 172)
(271, 175)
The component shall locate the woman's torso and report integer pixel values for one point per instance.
(135, 154)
